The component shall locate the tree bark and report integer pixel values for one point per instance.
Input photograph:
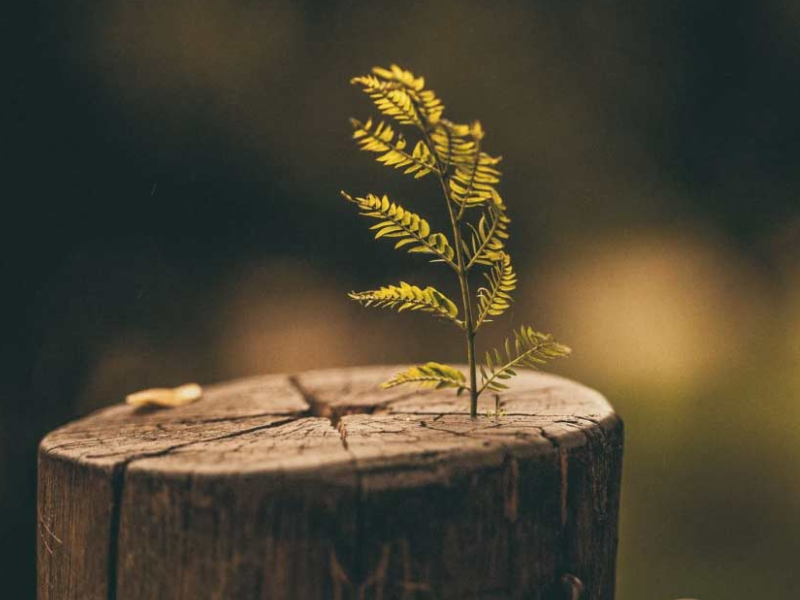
(321, 486)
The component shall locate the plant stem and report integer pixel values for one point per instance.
(469, 320)
(463, 280)
(470, 332)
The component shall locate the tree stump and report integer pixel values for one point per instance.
(322, 486)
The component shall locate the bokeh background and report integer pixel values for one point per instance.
(171, 214)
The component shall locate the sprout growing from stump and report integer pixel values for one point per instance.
(468, 176)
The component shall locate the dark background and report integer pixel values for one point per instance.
(171, 214)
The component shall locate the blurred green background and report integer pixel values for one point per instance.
(172, 214)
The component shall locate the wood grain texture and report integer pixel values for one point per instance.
(321, 486)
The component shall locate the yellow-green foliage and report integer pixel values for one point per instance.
(392, 148)
(431, 374)
(529, 349)
(494, 300)
(468, 178)
(409, 297)
(413, 231)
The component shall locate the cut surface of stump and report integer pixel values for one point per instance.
(323, 486)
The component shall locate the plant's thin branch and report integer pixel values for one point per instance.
(509, 365)
(487, 240)
(435, 250)
(471, 181)
(393, 148)
(487, 305)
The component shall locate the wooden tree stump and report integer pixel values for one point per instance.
(321, 486)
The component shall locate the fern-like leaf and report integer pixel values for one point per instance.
(425, 101)
(410, 297)
(412, 231)
(430, 375)
(392, 99)
(489, 237)
(382, 140)
(455, 144)
(494, 300)
(530, 349)
(473, 183)
(400, 76)
(472, 174)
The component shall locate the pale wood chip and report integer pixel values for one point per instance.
(166, 397)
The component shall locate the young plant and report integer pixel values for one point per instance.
(453, 153)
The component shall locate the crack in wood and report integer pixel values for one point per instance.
(329, 410)
(322, 409)
(316, 407)
(169, 449)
